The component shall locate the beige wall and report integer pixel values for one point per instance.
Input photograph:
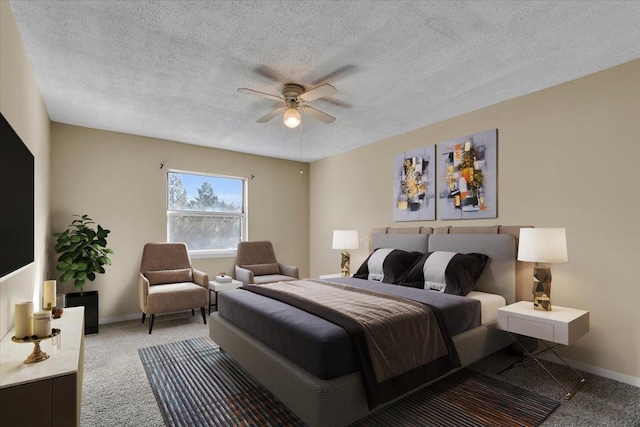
(116, 179)
(567, 158)
(22, 106)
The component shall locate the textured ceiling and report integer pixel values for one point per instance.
(172, 69)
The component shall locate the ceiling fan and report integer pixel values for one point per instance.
(293, 100)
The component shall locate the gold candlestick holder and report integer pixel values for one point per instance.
(37, 355)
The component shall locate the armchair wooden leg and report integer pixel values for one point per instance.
(204, 315)
(193, 311)
(144, 315)
(151, 319)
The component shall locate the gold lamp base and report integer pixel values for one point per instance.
(542, 288)
(345, 264)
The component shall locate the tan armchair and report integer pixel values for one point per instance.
(168, 282)
(256, 263)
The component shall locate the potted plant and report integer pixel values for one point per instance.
(83, 254)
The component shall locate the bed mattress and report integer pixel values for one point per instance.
(321, 347)
(489, 304)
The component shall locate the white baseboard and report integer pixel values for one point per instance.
(105, 320)
(606, 373)
(138, 316)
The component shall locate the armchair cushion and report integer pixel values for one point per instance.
(159, 277)
(262, 269)
(172, 297)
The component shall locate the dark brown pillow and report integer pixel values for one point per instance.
(160, 277)
(386, 265)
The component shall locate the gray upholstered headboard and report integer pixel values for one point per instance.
(406, 242)
(499, 276)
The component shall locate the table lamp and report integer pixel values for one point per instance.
(542, 246)
(345, 240)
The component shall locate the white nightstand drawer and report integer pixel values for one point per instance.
(531, 329)
(561, 325)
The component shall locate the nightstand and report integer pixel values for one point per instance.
(561, 326)
(216, 287)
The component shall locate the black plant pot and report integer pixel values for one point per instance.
(88, 300)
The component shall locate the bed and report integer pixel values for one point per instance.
(339, 398)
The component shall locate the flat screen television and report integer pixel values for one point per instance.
(16, 201)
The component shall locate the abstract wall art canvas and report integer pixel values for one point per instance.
(414, 192)
(467, 175)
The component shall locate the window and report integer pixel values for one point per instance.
(207, 212)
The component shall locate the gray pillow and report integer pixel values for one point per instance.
(160, 277)
(263, 269)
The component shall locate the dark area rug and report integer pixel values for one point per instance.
(466, 398)
(195, 384)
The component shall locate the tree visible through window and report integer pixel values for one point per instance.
(207, 212)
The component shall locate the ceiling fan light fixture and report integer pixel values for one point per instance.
(292, 101)
(291, 118)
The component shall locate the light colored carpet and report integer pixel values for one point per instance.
(600, 402)
(116, 391)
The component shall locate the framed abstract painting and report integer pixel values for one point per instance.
(467, 175)
(414, 192)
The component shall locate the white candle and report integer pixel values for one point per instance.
(42, 323)
(49, 295)
(23, 319)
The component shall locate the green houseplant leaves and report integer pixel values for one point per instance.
(83, 251)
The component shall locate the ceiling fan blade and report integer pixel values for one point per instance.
(260, 94)
(271, 114)
(269, 73)
(318, 115)
(319, 92)
(336, 102)
(338, 74)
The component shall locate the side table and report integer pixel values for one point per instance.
(216, 287)
(561, 326)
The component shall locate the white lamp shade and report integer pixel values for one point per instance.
(545, 245)
(345, 239)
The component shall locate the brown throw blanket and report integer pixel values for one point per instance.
(400, 343)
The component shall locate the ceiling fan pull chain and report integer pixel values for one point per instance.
(300, 141)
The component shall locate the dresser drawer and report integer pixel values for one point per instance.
(531, 328)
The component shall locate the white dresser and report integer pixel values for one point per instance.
(46, 393)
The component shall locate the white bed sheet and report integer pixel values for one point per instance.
(489, 303)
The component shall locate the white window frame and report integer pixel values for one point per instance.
(212, 253)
